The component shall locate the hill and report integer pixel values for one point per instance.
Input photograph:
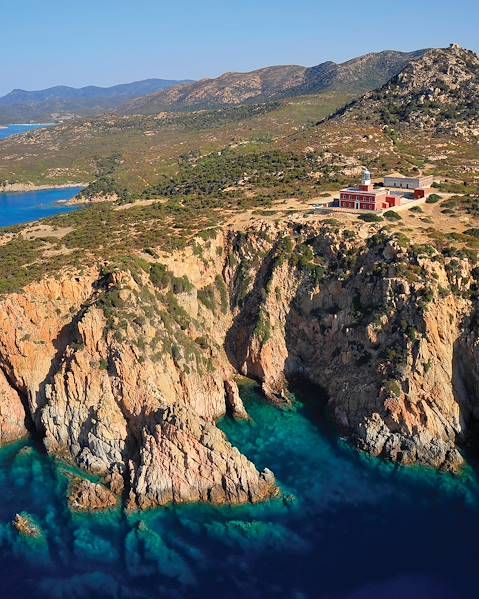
(149, 146)
(172, 153)
(63, 101)
(439, 92)
(272, 83)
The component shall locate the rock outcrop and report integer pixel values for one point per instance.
(439, 91)
(87, 496)
(123, 370)
(12, 413)
(26, 526)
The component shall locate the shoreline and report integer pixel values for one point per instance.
(25, 187)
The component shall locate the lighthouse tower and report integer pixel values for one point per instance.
(366, 183)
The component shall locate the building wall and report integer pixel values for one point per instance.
(408, 182)
(362, 201)
(367, 201)
(393, 201)
(422, 192)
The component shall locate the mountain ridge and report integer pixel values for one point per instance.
(266, 84)
(53, 102)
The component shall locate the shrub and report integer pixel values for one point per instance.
(392, 388)
(371, 218)
(433, 198)
(391, 215)
(182, 285)
(160, 276)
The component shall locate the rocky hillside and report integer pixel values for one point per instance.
(272, 83)
(123, 368)
(439, 91)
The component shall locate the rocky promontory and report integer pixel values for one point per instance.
(123, 368)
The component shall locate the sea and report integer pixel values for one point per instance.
(347, 526)
(10, 130)
(23, 207)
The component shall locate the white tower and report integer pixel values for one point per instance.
(366, 177)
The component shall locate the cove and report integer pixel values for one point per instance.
(348, 526)
(22, 207)
(10, 130)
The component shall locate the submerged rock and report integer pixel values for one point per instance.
(86, 496)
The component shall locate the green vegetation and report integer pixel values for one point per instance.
(211, 175)
(392, 215)
(370, 218)
(101, 232)
(138, 150)
(263, 327)
(105, 187)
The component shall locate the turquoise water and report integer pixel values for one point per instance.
(349, 527)
(18, 208)
(10, 130)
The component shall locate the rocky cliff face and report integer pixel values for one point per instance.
(123, 369)
(387, 330)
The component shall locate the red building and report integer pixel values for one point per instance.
(422, 192)
(366, 197)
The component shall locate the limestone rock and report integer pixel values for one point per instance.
(126, 383)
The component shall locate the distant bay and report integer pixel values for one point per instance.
(18, 129)
(19, 208)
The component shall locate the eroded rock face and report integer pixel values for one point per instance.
(124, 372)
(86, 496)
(12, 413)
(183, 455)
(388, 332)
(121, 388)
(234, 402)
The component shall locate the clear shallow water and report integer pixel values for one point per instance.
(18, 208)
(10, 130)
(358, 528)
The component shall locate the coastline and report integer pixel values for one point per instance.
(25, 187)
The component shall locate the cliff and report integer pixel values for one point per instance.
(123, 369)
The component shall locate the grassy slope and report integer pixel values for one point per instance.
(150, 146)
(146, 148)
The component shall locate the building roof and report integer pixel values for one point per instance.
(378, 191)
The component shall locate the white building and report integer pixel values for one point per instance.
(409, 182)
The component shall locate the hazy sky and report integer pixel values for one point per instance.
(103, 42)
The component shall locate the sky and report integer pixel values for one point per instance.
(104, 42)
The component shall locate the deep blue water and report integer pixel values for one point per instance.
(352, 527)
(17, 208)
(10, 130)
